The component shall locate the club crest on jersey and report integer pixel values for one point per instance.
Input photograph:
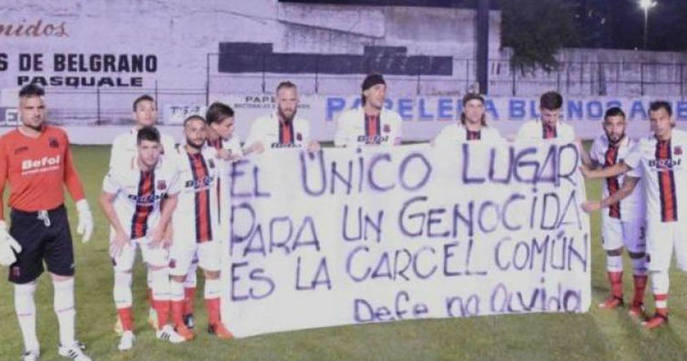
(387, 128)
(21, 150)
(161, 185)
(53, 143)
(172, 263)
(211, 163)
(677, 150)
(299, 137)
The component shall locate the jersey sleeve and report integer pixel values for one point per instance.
(444, 137)
(594, 150)
(397, 129)
(634, 156)
(115, 151)
(4, 170)
(234, 146)
(523, 133)
(111, 183)
(342, 134)
(174, 183)
(71, 176)
(495, 136)
(254, 133)
(306, 131)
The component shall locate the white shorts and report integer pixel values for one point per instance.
(616, 234)
(208, 255)
(662, 239)
(156, 257)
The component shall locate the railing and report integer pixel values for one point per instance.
(105, 106)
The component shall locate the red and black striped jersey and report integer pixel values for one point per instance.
(138, 194)
(662, 166)
(602, 152)
(196, 218)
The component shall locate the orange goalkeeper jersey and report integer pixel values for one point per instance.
(37, 169)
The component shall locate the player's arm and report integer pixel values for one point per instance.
(168, 206)
(253, 143)
(106, 204)
(629, 185)
(8, 245)
(342, 134)
(311, 144)
(607, 172)
(121, 238)
(75, 189)
(397, 136)
(586, 158)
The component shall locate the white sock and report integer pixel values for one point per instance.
(160, 284)
(149, 277)
(122, 290)
(63, 302)
(176, 291)
(213, 288)
(614, 263)
(25, 307)
(191, 277)
(660, 283)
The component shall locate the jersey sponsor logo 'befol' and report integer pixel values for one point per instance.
(43, 164)
(662, 165)
(374, 139)
(282, 145)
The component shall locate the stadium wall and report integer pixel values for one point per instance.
(96, 56)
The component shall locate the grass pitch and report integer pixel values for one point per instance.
(599, 334)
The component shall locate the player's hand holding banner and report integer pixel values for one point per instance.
(8, 246)
(85, 226)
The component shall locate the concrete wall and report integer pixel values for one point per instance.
(181, 34)
(184, 38)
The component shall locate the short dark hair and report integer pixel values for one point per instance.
(192, 117)
(658, 104)
(614, 111)
(143, 97)
(31, 90)
(217, 112)
(551, 100)
(285, 84)
(149, 134)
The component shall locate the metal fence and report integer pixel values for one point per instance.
(105, 106)
(570, 78)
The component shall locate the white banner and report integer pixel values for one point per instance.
(382, 234)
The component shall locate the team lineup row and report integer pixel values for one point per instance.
(153, 184)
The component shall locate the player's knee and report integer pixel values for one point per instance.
(156, 268)
(59, 278)
(614, 252)
(212, 275)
